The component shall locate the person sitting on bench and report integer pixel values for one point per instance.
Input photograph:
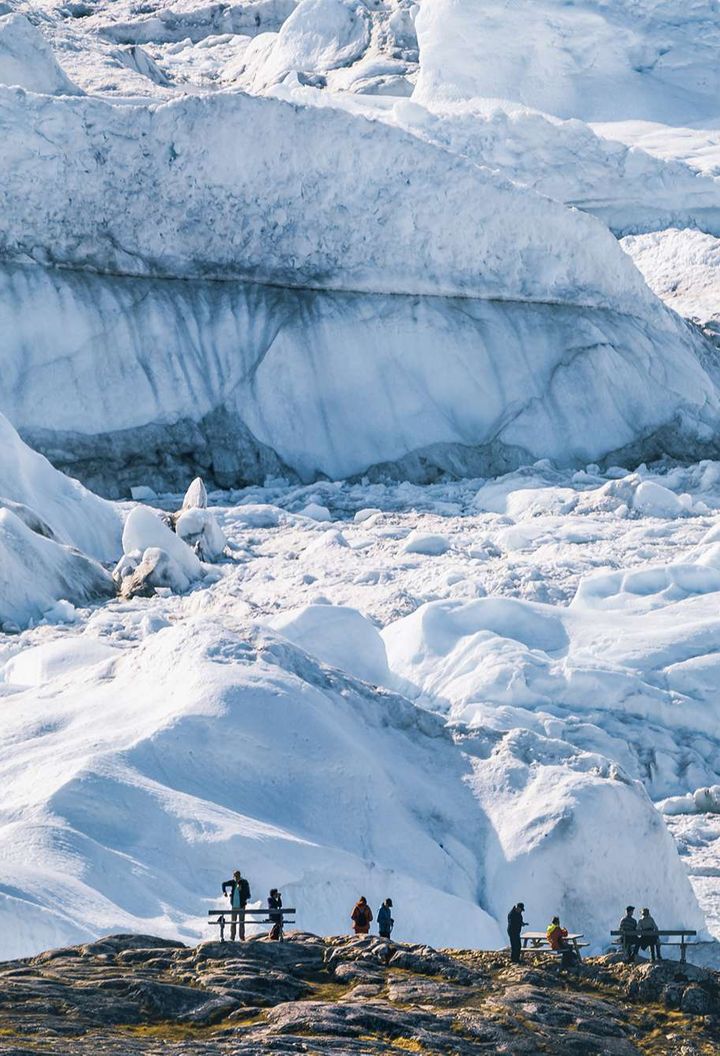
(239, 896)
(275, 902)
(649, 937)
(629, 934)
(557, 937)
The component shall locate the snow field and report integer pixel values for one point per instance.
(600, 62)
(240, 731)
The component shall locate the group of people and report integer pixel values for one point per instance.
(237, 889)
(639, 935)
(556, 934)
(634, 936)
(362, 917)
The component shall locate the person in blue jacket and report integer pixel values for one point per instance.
(385, 919)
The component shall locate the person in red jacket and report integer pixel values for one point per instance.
(557, 937)
(361, 916)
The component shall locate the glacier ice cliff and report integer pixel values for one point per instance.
(245, 287)
(238, 381)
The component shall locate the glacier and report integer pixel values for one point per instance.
(292, 256)
(241, 381)
(402, 285)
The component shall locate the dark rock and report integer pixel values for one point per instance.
(695, 1000)
(672, 995)
(115, 943)
(212, 1011)
(137, 996)
(358, 972)
(420, 990)
(648, 981)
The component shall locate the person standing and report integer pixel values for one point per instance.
(514, 927)
(238, 891)
(629, 934)
(649, 935)
(361, 916)
(275, 903)
(385, 919)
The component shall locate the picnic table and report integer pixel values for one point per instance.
(538, 941)
(685, 936)
(222, 917)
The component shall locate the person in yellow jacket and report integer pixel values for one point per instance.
(557, 938)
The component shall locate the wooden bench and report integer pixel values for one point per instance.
(537, 942)
(685, 937)
(223, 917)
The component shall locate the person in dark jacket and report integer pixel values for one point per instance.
(385, 919)
(238, 891)
(629, 934)
(514, 927)
(361, 916)
(274, 903)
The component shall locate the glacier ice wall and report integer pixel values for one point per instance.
(239, 381)
(377, 303)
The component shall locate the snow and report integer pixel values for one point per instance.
(551, 808)
(252, 722)
(342, 270)
(186, 19)
(318, 36)
(629, 189)
(61, 658)
(419, 543)
(198, 528)
(262, 204)
(682, 267)
(144, 529)
(602, 61)
(655, 500)
(36, 572)
(27, 60)
(46, 521)
(142, 493)
(196, 525)
(339, 636)
(316, 512)
(196, 495)
(359, 264)
(72, 513)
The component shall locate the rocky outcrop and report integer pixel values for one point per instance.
(129, 994)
